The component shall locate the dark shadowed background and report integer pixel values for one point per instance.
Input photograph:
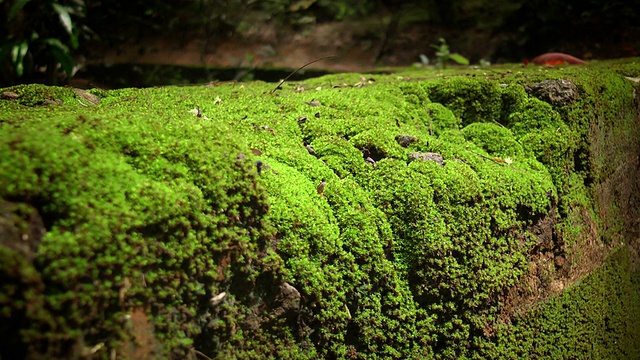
(142, 43)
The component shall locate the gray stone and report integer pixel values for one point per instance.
(426, 156)
(555, 92)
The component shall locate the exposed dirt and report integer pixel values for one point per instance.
(21, 228)
(553, 267)
(145, 344)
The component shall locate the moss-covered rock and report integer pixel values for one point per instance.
(416, 215)
(596, 319)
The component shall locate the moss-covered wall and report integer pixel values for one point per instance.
(598, 318)
(413, 215)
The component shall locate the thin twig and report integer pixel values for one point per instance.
(201, 354)
(430, 122)
(499, 124)
(148, 99)
(298, 69)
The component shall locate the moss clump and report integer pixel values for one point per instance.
(452, 235)
(493, 139)
(134, 217)
(33, 95)
(378, 143)
(442, 118)
(247, 224)
(340, 156)
(469, 99)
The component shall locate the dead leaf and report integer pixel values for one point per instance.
(87, 95)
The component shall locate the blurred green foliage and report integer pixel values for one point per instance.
(39, 38)
(444, 55)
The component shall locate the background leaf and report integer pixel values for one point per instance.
(17, 6)
(65, 18)
(459, 59)
(61, 53)
(17, 56)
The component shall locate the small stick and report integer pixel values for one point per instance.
(298, 69)
(200, 354)
(499, 124)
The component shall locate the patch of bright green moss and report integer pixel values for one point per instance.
(33, 95)
(493, 139)
(469, 99)
(124, 198)
(197, 204)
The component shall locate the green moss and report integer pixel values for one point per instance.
(128, 201)
(451, 229)
(596, 318)
(340, 156)
(380, 142)
(493, 139)
(442, 119)
(533, 115)
(555, 148)
(469, 99)
(33, 95)
(164, 199)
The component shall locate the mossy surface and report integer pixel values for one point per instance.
(597, 318)
(385, 216)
